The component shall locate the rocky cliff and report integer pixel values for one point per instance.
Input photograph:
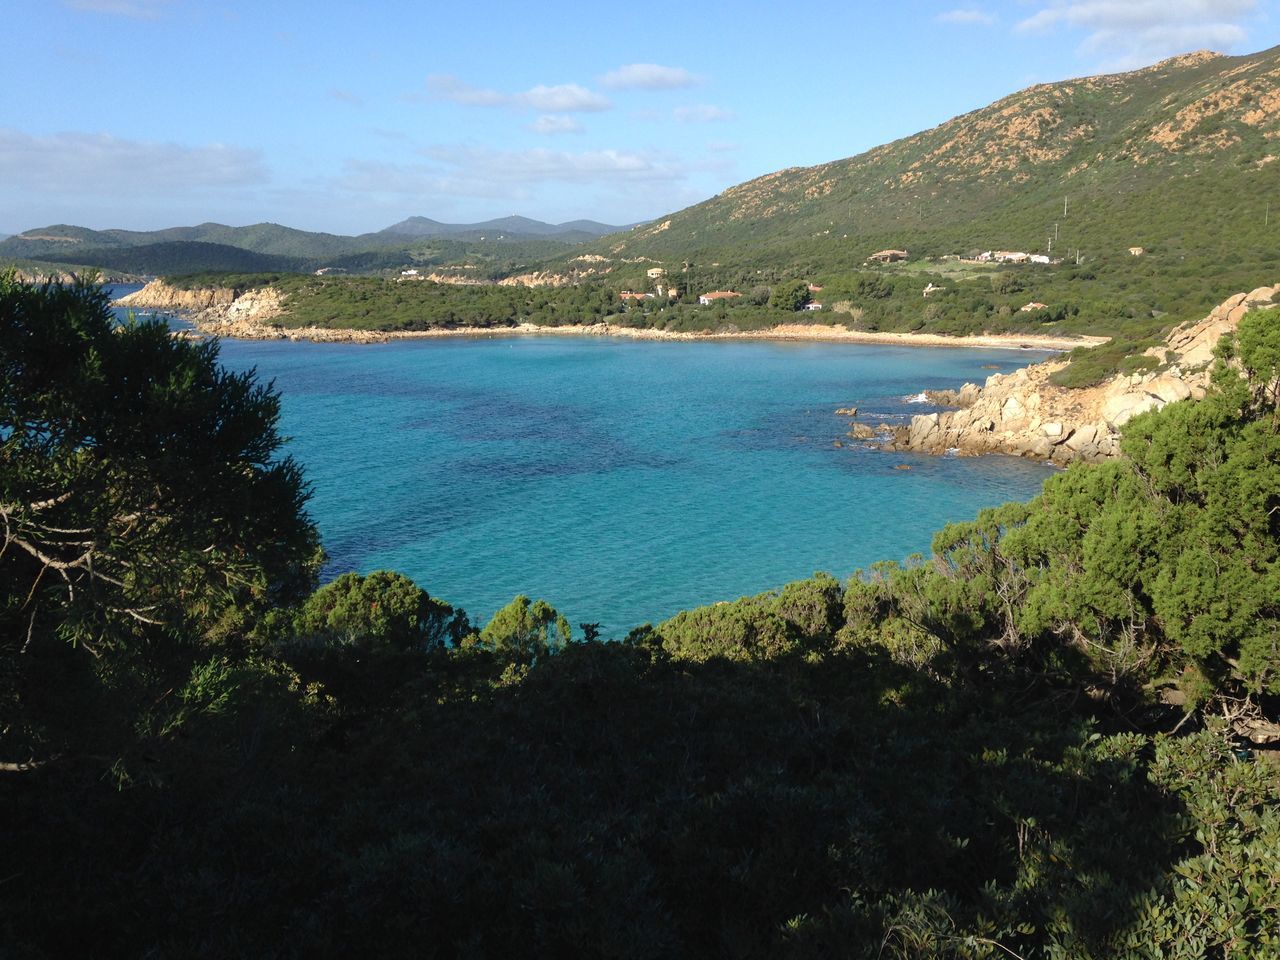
(1022, 413)
(226, 311)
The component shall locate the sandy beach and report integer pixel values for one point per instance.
(797, 332)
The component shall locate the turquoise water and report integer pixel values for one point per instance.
(622, 481)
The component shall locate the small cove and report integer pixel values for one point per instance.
(622, 481)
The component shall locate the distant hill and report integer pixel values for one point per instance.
(1178, 158)
(511, 228)
(60, 240)
(179, 257)
(499, 244)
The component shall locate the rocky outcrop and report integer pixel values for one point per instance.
(543, 278)
(1022, 413)
(158, 295)
(71, 276)
(221, 311)
(966, 396)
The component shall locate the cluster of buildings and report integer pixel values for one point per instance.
(1012, 256)
(706, 299)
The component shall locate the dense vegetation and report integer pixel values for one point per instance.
(1130, 299)
(1036, 743)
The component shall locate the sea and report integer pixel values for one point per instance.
(621, 480)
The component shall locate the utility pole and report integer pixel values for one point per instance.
(1064, 208)
(1055, 231)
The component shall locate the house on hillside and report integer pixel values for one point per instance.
(709, 298)
(1010, 256)
(887, 256)
(655, 273)
(1039, 258)
(815, 288)
(632, 295)
(1033, 305)
(813, 305)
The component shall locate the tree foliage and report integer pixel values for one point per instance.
(524, 630)
(964, 756)
(144, 503)
(383, 609)
(789, 296)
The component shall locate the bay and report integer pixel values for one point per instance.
(620, 480)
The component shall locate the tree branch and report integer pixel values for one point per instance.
(27, 767)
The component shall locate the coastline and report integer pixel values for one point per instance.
(252, 315)
(240, 330)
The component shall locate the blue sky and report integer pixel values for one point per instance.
(347, 117)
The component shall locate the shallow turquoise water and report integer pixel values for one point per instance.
(622, 481)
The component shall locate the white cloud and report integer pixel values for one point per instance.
(446, 87)
(702, 113)
(1129, 33)
(565, 98)
(540, 165)
(482, 172)
(979, 17)
(562, 98)
(553, 124)
(81, 164)
(649, 76)
(136, 9)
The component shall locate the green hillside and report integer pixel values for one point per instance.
(1176, 157)
(177, 256)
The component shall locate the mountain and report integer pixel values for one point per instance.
(63, 240)
(176, 257)
(511, 228)
(1177, 158)
(216, 246)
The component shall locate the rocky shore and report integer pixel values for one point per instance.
(1022, 413)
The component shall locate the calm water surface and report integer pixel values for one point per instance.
(622, 481)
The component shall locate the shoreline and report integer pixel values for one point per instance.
(811, 333)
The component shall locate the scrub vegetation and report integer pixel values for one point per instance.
(1054, 737)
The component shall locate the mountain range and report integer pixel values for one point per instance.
(272, 247)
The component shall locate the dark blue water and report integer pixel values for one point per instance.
(622, 481)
